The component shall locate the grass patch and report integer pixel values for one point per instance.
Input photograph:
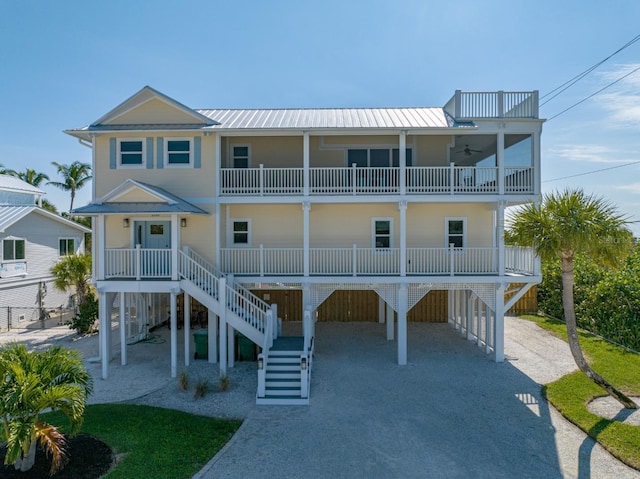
(155, 442)
(571, 393)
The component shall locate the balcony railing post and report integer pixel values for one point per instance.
(353, 178)
(458, 104)
(500, 104)
(354, 259)
(261, 179)
(138, 261)
(261, 260)
(451, 259)
(452, 173)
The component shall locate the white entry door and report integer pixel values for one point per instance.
(153, 234)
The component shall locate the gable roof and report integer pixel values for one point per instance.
(10, 215)
(11, 183)
(146, 95)
(166, 202)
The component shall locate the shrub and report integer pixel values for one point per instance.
(86, 315)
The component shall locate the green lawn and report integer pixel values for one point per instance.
(155, 442)
(571, 393)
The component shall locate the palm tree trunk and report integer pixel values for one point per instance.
(574, 343)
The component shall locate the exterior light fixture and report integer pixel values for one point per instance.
(303, 364)
(125, 223)
(260, 362)
(183, 222)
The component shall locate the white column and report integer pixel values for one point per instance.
(500, 161)
(402, 206)
(402, 159)
(123, 331)
(231, 343)
(498, 344)
(381, 309)
(173, 317)
(175, 245)
(306, 208)
(500, 237)
(222, 298)
(187, 328)
(101, 246)
(105, 330)
(403, 306)
(536, 162)
(471, 315)
(218, 163)
(212, 337)
(305, 164)
(390, 325)
(96, 246)
(218, 236)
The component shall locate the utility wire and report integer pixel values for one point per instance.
(569, 83)
(594, 171)
(594, 94)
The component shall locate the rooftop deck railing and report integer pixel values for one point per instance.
(375, 181)
(500, 104)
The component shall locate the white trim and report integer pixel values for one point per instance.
(373, 232)
(135, 166)
(232, 157)
(165, 147)
(66, 239)
(14, 260)
(447, 219)
(231, 233)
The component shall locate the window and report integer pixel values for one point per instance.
(178, 151)
(240, 156)
(66, 246)
(131, 153)
(13, 249)
(241, 232)
(376, 157)
(156, 229)
(381, 234)
(456, 230)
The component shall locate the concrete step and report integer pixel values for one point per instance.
(277, 375)
(289, 384)
(282, 401)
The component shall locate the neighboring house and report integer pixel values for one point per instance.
(32, 241)
(240, 208)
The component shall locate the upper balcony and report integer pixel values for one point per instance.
(356, 181)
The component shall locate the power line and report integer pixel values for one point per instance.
(594, 171)
(569, 83)
(594, 94)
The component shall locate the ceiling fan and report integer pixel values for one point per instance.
(468, 151)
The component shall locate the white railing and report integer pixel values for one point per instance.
(261, 181)
(452, 261)
(497, 104)
(137, 263)
(374, 181)
(197, 270)
(263, 357)
(247, 306)
(519, 260)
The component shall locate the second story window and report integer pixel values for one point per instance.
(377, 157)
(456, 231)
(179, 152)
(382, 230)
(131, 153)
(241, 234)
(13, 249)
(66, 246)
(240, 156)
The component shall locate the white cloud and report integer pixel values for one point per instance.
(588, 153)
(622, 100)
(631, 187)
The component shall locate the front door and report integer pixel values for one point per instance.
(153, 234)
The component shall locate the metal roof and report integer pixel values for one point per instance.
(11, 183)
(12, 214)
(329, 118)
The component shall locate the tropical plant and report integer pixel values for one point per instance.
(30, 176)
(74, 177)
(73, 271)
(564, 224)
(85, 316)
(33, 382)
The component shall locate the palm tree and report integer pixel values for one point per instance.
(563, 225)
(32, 383)
(74, 176)
(73, 270)
(30, 176)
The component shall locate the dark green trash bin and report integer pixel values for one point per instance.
(201, 339)
(246, 348)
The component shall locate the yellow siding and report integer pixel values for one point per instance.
(431, 150)
(272, 152)
(272, 225)
(117, 235)
(136, 195)
(153, 112)
(184, 182)
(200, 234)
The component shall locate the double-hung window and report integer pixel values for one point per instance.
(66, 246)
(241, 233)
(178, 151)
(131, 152)
(456, 232)
(377, 157)
(13, 249)
(382, 231)
(240, 156)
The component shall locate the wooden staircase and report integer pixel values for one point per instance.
(283, 373)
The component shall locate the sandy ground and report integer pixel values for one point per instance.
(451, 412)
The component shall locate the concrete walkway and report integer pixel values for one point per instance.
(450, 413)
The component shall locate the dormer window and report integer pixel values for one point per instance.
(131, 152)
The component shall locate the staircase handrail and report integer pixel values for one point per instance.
(204, 262)
(190, 269)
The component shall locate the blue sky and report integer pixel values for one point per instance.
(64, 64)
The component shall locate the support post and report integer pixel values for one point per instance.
(101, 245)
(381, 309)
(212, 337)
(123, 331)
(231, 343)
(174, 334)
(105, 330)
(402, 160)
(500, 160)
(222, 298)
(306, 208)
(390, 325)
(471, 315)
(187, 328)
(403, 306)
(305, 164)
(402, 206)
(175, 245)
(500, 237)
(498, 344)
